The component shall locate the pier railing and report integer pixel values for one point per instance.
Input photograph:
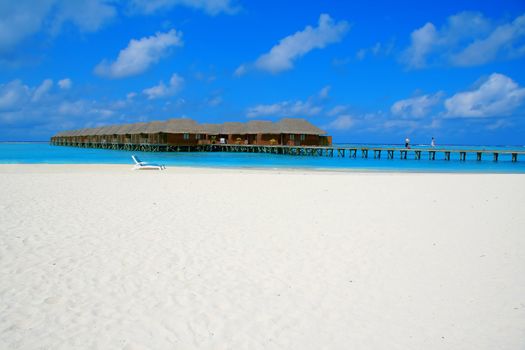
(315, 151)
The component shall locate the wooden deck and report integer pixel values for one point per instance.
(315, 151)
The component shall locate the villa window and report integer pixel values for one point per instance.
(292, 137)
(186, 136)
(303, 136)
(198, 136)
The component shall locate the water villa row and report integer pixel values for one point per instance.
(288, 136)
(185, 134)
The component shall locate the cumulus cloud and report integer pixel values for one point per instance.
(343, 122)
(423, 42)
(74, 108)
(140, 54)
(240, 71)
(466, 39)
(337, 110)
(215, 101)
(42, 90)
(13, 95)
(376, 50)
(323, 93)
(416, 107)
(500, 42)
(65, 84)
(36, 112)
(284, 109)
(162, 90)
(282, 56)
(211, 7)
(497, 96)
(21, 19)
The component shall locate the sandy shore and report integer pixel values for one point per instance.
(101, 257)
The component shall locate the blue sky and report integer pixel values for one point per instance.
(364, 71)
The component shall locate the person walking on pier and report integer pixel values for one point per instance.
(433, 143)
(407, 143)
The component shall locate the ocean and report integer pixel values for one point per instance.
(43, 153)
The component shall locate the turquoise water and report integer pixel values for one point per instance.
(38, 153)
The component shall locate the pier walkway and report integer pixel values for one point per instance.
(319, 151)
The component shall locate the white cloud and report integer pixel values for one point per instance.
(73, 108)
(497, 96)
(215, 101)
(284, 109)
(423, 41)
(466, 39)
(13, 95)
(42, 90)
(361, 54)
(337, 110)
(417, 107)
(65, 84)
(499, 124)
(240, 71)
(21, 19)
(376, 50)
(211, 7)
(140, 54)
(87, 15)
(162, 90)
(499, 42)
(23, 118)
(282, 56)
(323, 93)
(343, 122)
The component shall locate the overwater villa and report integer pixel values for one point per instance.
(187, 132)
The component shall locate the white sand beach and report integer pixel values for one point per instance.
(101, 257)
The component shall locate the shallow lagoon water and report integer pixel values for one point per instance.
(43, 153)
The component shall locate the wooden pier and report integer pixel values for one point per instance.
(315, 151)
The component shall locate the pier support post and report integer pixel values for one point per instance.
(447, 155)
(496, 156)
(514, 157)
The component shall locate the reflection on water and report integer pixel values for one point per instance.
(32, 153)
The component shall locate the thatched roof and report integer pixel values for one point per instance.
(90, 131)
(182, 125)
(261, 127)
(186, 125)
(111, 130)
(211, 129)
(291, 125)
(154, 127)
(233, 128)
(136, 128)
(123, 129)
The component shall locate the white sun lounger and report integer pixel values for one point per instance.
(140, 165)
